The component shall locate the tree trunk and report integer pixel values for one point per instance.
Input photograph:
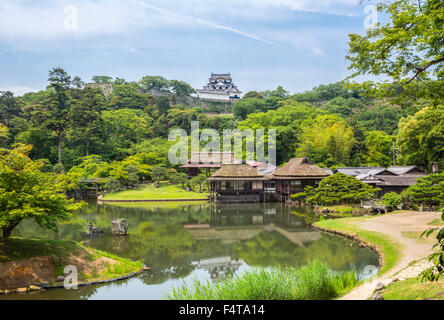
(7, 230)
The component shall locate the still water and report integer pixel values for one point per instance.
(186, 241)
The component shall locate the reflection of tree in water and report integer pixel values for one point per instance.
(273, 249)
(158, 238)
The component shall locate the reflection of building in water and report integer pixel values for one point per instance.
(244, 222)
(219, 268)
(255, 214)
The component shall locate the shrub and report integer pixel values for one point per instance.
(340, 188)
(315, 281)
(428, 190)
(392, 200)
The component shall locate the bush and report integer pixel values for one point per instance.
(340, 188)
(312, 282)
(392, 200)
(428, 190)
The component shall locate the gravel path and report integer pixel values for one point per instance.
(394, 225)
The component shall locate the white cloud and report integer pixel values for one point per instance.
(19, 90)
(46, 20)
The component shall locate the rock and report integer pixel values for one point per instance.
(90, 230)
(324, 210)
(377, 296)
(60, 279)
(119, 227)
(395, 280)
(21, 290)
(362, 245)
(379, 286)
(34, 288)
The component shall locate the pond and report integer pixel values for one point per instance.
(186, 241)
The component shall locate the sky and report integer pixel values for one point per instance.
(297, 44)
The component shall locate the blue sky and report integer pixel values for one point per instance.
(263, 43)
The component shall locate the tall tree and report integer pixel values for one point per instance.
(154, 82)
(8, 107)
(421, 137)
(58, 105)
(85, 115)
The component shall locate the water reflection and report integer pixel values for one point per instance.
(199, 240)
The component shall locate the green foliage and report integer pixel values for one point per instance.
(407, 49)
(179, 178)
(181, 88)
(102, 79)
(26, 192)
(154, 82)
(326, 139)
(437, 258)
(421, 137)
(312, 282)
(199, 182)
(392, 200)
(340, 188)
(428, 190)
(379, 145)
(159, 174)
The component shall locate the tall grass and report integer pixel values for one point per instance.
(314, 281)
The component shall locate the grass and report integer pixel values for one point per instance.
(436, 222)
(414, 289)
(416, 235)
(17, 248)
(390, 249)
(315, 281)
(149, 192)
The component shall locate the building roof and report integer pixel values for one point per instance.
(356, 171)
(300, 167)
(237, 172)
(392, 181)
(398, 170)
(363, 172)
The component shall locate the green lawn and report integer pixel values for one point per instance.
(149, 192)
(390, 249)
(414, 289)
(17, 248)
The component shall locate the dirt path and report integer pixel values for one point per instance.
(397, 226)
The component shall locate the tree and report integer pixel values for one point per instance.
(244, 107)
(127, 96)
(428, 190)
(340, 188)
(57, 114)
(8, 107)
(3, 131)
(380, 149)
(181, 88)
(326, 139)
(163, 104)
(421, 137)
(392, 200)
(154, 82)
(179, 178)
(85, 115)
(159, 174)
(408, 50)
(26, 192)
(102, 79)
(200, 181)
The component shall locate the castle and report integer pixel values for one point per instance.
(220, 87)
